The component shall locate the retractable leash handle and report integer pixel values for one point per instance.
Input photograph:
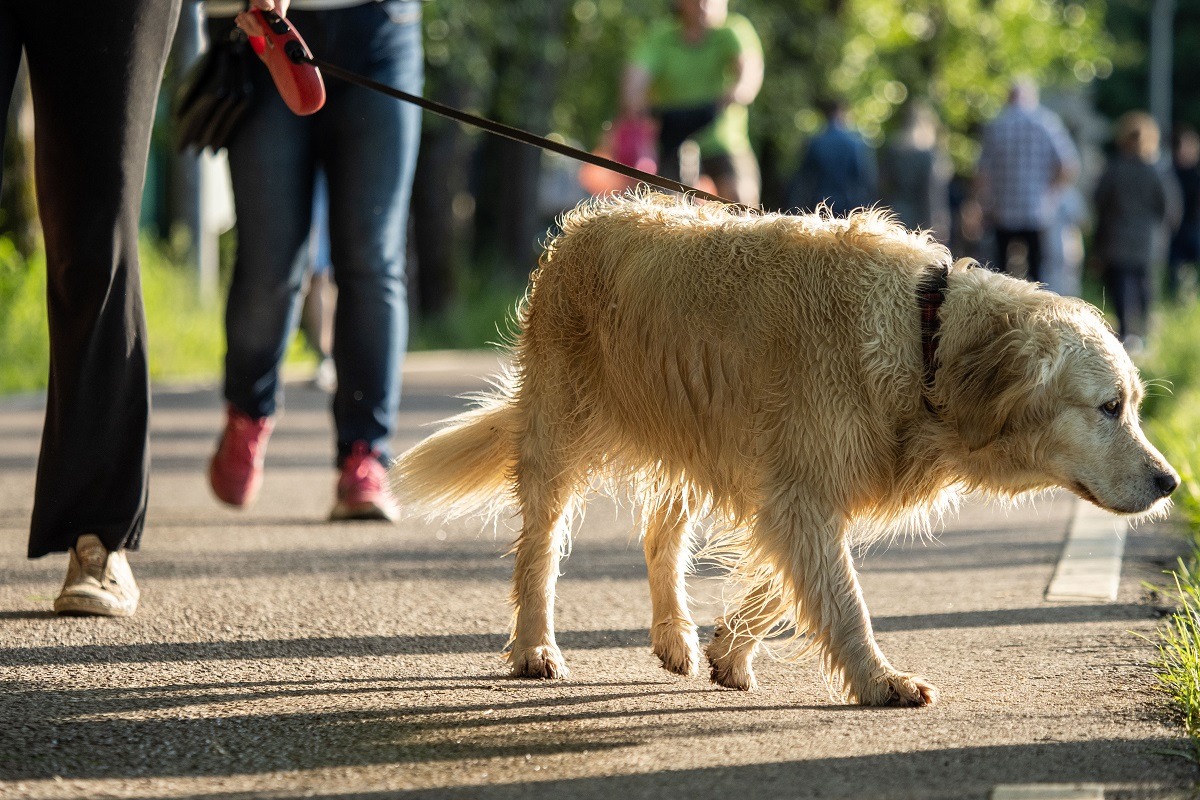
(290, 63)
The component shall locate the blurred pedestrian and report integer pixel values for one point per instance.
(915, 173)
(95, 71)
(838, 168)
(320, 293)
(1185, 243)
(366, 145)
(1132, 203)
(697, 75)
(1062, 251)
(1026, 154)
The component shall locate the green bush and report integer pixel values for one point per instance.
(24, 352)
(1171, 368)
(1172, 411)
(186, 338)
(186, 335)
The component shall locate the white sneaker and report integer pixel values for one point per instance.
(99, 583)
(326, 376)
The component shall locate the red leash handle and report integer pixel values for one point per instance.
(289, 60)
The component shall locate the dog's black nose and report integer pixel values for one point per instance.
(1166, 482)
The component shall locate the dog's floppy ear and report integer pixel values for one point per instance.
(990, 384)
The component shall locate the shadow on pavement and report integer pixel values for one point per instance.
(454, 644)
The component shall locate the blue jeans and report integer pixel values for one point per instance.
(366, 144)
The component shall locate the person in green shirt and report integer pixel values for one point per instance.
(696, 74)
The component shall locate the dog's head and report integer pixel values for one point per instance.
(1045, 396)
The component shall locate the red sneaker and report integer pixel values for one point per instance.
(236, 470)
(362, 488)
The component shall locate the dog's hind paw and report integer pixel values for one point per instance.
(544, 661)
(731, 660)
(900, 689)
(677, 647)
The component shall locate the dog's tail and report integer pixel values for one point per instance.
(465, 468)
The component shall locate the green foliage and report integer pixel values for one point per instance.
(1129, 25)
(1175, 433)
(24, 354)
(185, 336)
(1171, 368)
(1173, 423)
(1179, 654)
(524, 57)
(962, 55)
(479, 317)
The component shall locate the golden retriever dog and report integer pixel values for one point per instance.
(806, 382)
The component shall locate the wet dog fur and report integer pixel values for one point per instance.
(766, 371)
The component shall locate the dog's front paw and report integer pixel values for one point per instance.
(731, 663)
(899, 689)
(543, 661)
(677, 646)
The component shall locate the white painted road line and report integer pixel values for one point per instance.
(1048, 791)
(1090, 565)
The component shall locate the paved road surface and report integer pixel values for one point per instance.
(276, 655)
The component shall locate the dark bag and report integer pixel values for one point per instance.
(215, 95)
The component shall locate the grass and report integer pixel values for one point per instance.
(1173, 422)
(1179, 653)
(186, 336)
(480, 317)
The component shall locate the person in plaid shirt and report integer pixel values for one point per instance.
(1026, 153)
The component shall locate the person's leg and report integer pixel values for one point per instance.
(271, 171)
(94, 78)
(316, 318)
(1003, 239)
(1140, 290)
(1116, 282)
(735, 175)
(1033, 255)
(368, 145)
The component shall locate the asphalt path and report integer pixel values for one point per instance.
(278, 655)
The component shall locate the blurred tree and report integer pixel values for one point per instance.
(961, 55)
(1129, 24)
(556, 65)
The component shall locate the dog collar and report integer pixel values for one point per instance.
(931, 291)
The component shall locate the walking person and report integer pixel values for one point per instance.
(1026, 154)
(915, 172)
(94, 73)
(1133, 201)
(839, 167)
(366, 145)
(1185, 243)
(697, 74)
(320, 292)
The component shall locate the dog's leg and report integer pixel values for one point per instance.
(544, 491)
(735, 641)
(668, 551)
(830, 609)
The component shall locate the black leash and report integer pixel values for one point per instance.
(500, 129)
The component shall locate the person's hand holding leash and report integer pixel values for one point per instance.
(249, 23)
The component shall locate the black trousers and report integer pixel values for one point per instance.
(1032, 239)
(1128, 284)
(94, 72)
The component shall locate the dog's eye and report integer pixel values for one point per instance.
(1112, 408)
